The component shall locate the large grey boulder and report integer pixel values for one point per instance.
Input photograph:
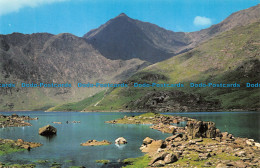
(47, 130)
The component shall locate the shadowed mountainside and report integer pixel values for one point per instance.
(229, 58)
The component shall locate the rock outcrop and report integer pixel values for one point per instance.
(47, 130)
(197, 129)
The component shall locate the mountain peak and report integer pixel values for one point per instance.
(122, 15)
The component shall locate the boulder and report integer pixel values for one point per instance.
(197, 129)
(47, 130)
(250, 142)
(147, 141)
(240, 164)
(157, 157)
(204, 156)
(240, 153)
(221, 165)
(170, 158)
(153, 147)
(208, 164)
(120, 140)
(257, 144)
(159, 163)
(173, 137)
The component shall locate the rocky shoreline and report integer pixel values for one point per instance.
(199, 144)
(15, 121)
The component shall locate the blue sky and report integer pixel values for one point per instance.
(80, 16)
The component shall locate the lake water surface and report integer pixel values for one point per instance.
(65, 147)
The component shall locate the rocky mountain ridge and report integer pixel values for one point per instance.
(111, 53)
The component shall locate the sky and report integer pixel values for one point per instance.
(80, 16)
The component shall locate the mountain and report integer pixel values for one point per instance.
(113, 53)
(231, 57)
(47, 58)
(125, 38)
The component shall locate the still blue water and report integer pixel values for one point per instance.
(240, 124)
(66, 145)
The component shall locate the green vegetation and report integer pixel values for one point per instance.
(68, 161)
(193, 160)
(102, 161)
(2, 119)
(79, 106)
(9, 147)
(41, 161)
(207, 141)
(17, 165)
(140, 162)
(55, 165)
(231, 57)
(146, 118)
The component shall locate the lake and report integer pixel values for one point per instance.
(65, 147)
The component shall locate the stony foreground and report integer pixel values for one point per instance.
(199, 144)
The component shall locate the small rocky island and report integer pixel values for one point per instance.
(199, 144)
(9, 146)
(95, 143)
(15, 121)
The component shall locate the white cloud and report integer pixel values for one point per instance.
(9, 6)
(202, 21)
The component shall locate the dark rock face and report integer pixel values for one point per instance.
(198, 129)
(47, 130)
(173, 101)
(126, 38)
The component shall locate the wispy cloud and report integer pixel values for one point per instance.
(202, 21)
(9, 6)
